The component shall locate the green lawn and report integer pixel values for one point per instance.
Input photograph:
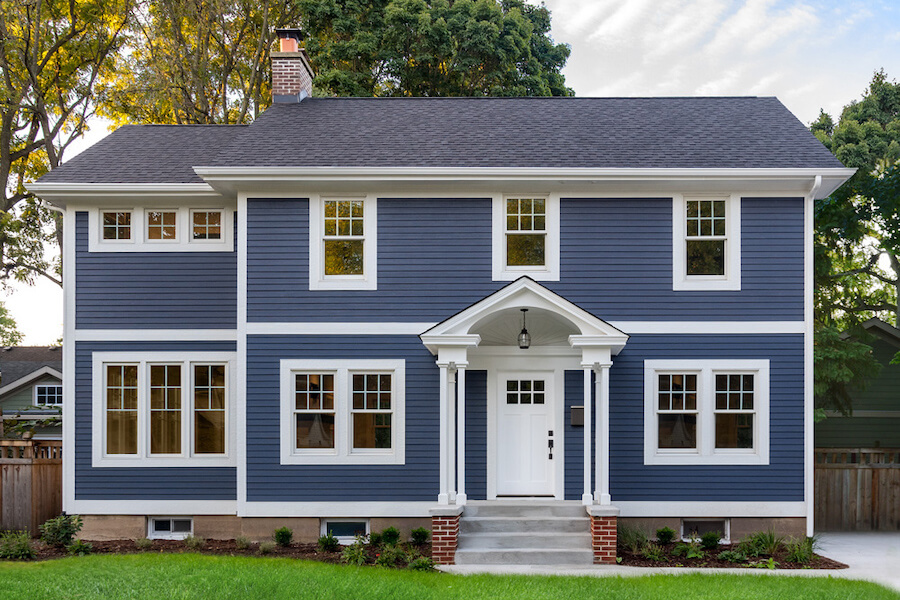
(163, 576)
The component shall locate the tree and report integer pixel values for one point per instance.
(52, 53)
(433, 48)
(9, 332)
(857, 243)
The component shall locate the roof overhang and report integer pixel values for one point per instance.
(31, 377)
(63, 194)
(231, 180)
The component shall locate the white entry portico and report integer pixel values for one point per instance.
(525, 392)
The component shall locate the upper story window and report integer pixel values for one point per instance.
(706, 245)
(173, 229)
(526, 237)
(342, 412)
(342, 243)
(706, 412)
(166, 409)
(48, 395)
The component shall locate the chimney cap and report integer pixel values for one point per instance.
(294, 33)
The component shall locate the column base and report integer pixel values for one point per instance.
(604, 535)
(444, 534)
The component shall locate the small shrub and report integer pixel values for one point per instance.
(389, 556)
(420, 536)
(80, 548)
(732, 556)
(143, 543)
(688, 549)
(763, 543)
(356, 553)
(194, 542)
(632, 538)
(710, 540)
(374, 539)
(665, 535)
(652, 552)
(60, 531)
(766, 564)
(391, 536)
(16, 545)
(802, 551)
(283, 536)
(266, 548)
(241, 542)
(423, 563)
(329, 543)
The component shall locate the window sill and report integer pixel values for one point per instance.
(713, 459)
(341, 283)
(130, 462)
(707, 285)
(351, 459)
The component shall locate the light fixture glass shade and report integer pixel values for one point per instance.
(524, 339)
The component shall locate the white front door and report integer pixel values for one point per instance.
(526, 434)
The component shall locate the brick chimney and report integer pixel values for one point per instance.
(291, 73)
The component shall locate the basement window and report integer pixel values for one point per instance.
(345, 530)
(695, 528)
(169, 528)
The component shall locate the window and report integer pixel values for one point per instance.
(347, 412)
(169, 528)
(342, 243)
(706, 412)
(117, 225)
(164, 408)
(526, 237)
(162, 229)
(345, 530)
(48, 395)
(706, 243)
(695, 528)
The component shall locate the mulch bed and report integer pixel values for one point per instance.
(711, 561)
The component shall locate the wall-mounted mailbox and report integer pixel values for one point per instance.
(576, 417)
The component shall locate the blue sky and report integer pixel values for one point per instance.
(811, 55)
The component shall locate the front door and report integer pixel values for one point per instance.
(525, 434)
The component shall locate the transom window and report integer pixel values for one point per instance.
(342, 411)
(706, 245)
(525, 237)
(48, 395)
(116, 225)
(206, 224)
(526, 232)
(706, 412)
(706, 237)
(343, 243)
(162, 225)
(525, 391)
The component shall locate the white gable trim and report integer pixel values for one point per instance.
(33, 376)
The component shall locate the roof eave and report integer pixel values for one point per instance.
(61, 193)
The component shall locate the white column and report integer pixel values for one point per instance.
(461, 435)
(451, 433)
(587, 497)
(601, 494)
(444, 489)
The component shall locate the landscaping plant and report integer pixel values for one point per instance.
(802, 550)
(710, 540)
(420, 536)
(266, 548)
(194, 542)
(283, 536)
(241, 542)
(356, 553)
(732, 556)
(391, 536)
(60, 531)
(374, 539)
(329, 543)
(143, 543)
(633, 538)
(423, 563)
(664, 535)
(652, 552)
(690, 549)
(80, 548)
(16, 545)
(389, 556)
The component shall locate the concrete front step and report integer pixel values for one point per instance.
(525, 541)
(480, 524)
(524, 557)
(525, 509)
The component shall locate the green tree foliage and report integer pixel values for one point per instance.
(9, 331)
(857, 243)
(433, 48)
(51, 55)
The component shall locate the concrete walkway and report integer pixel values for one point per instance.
(872, 556)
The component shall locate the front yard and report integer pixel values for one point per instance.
(187, 576)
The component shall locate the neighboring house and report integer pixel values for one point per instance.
(317, 320)
(31, 386)
(875, 420)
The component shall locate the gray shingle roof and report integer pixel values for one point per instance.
(745, 132)
(18, 361)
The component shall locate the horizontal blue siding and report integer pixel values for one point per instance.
(476, 435)
(153, 290)
(140, 483)
(433, 261)
(781, 480)
(267, 480)
(574, 438)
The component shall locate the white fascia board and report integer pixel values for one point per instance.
(62, 194)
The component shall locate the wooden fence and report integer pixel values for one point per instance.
(857, 489)
(30, 483)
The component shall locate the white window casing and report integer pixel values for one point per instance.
(705, 452)
(140, 238)
(343, 451)
(318, 280)
(500, 270)
(144, 458)
(48, 394)
(731, 280)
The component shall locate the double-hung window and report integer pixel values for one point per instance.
(526, 237)
(342, 412)
(165, 409)
(706, 244)
(706, 412)
(342, 243)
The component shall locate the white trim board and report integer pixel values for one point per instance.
(336, 509)
(692, 509)
(155, 335)
(156, 508)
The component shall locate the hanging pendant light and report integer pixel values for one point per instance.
(524, 336)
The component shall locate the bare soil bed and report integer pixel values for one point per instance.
(711, 561)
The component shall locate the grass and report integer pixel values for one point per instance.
(187, 576)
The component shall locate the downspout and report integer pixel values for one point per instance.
(808, 362)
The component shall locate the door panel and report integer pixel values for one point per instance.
(525, 420)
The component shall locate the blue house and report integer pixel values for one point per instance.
(358, 312)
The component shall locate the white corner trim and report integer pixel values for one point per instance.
(156, 508)
(809, 446)
(706, 452)
(68, 350)
(240, 387)
(701, 509)
(336, 509)
(500, 271)
(183, 242)
(317, 278)
(143, 458)
(155, 335)
(731, 281)
(343, 452)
